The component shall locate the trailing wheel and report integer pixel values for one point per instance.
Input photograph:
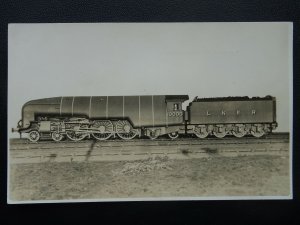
(153, 135)
(239, 130)
(34, 136)
(125, 130)
(56, 136)
(201, 131)
(220, 131)
(104, 129)
(173, 135)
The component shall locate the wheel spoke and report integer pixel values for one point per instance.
(104, 129)
(56, 136)
(125, 130)
(74, 133)
(34, 136)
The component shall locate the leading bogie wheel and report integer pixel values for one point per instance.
(56, 136)
(34, 136)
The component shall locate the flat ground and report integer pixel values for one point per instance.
(156, 177)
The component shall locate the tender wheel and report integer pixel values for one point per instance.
(220, 131)
(125, 131)
(201, 131)
(56, 136)
(173, 135)
(104, 130)
(239, 130)
(257, 130)
(34, 136)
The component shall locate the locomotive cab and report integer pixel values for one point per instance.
(174, 111)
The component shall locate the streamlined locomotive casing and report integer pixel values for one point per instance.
(141, 111)
(232, 110)
(31, 109)
(102, 117)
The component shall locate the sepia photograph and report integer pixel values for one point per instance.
(149, 111)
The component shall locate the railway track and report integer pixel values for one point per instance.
(22, 151)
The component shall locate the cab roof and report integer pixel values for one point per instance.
(181, 98)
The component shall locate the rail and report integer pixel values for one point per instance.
(22, 151)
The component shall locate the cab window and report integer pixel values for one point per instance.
(176, 107)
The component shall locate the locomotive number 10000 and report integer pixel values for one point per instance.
(175, 113)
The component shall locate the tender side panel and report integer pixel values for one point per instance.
(232, 112)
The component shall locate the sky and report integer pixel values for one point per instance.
(198, 59)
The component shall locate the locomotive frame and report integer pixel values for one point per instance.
(126, 117)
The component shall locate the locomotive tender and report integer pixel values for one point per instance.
(126, 117)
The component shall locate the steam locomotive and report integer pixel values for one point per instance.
(126, 117)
